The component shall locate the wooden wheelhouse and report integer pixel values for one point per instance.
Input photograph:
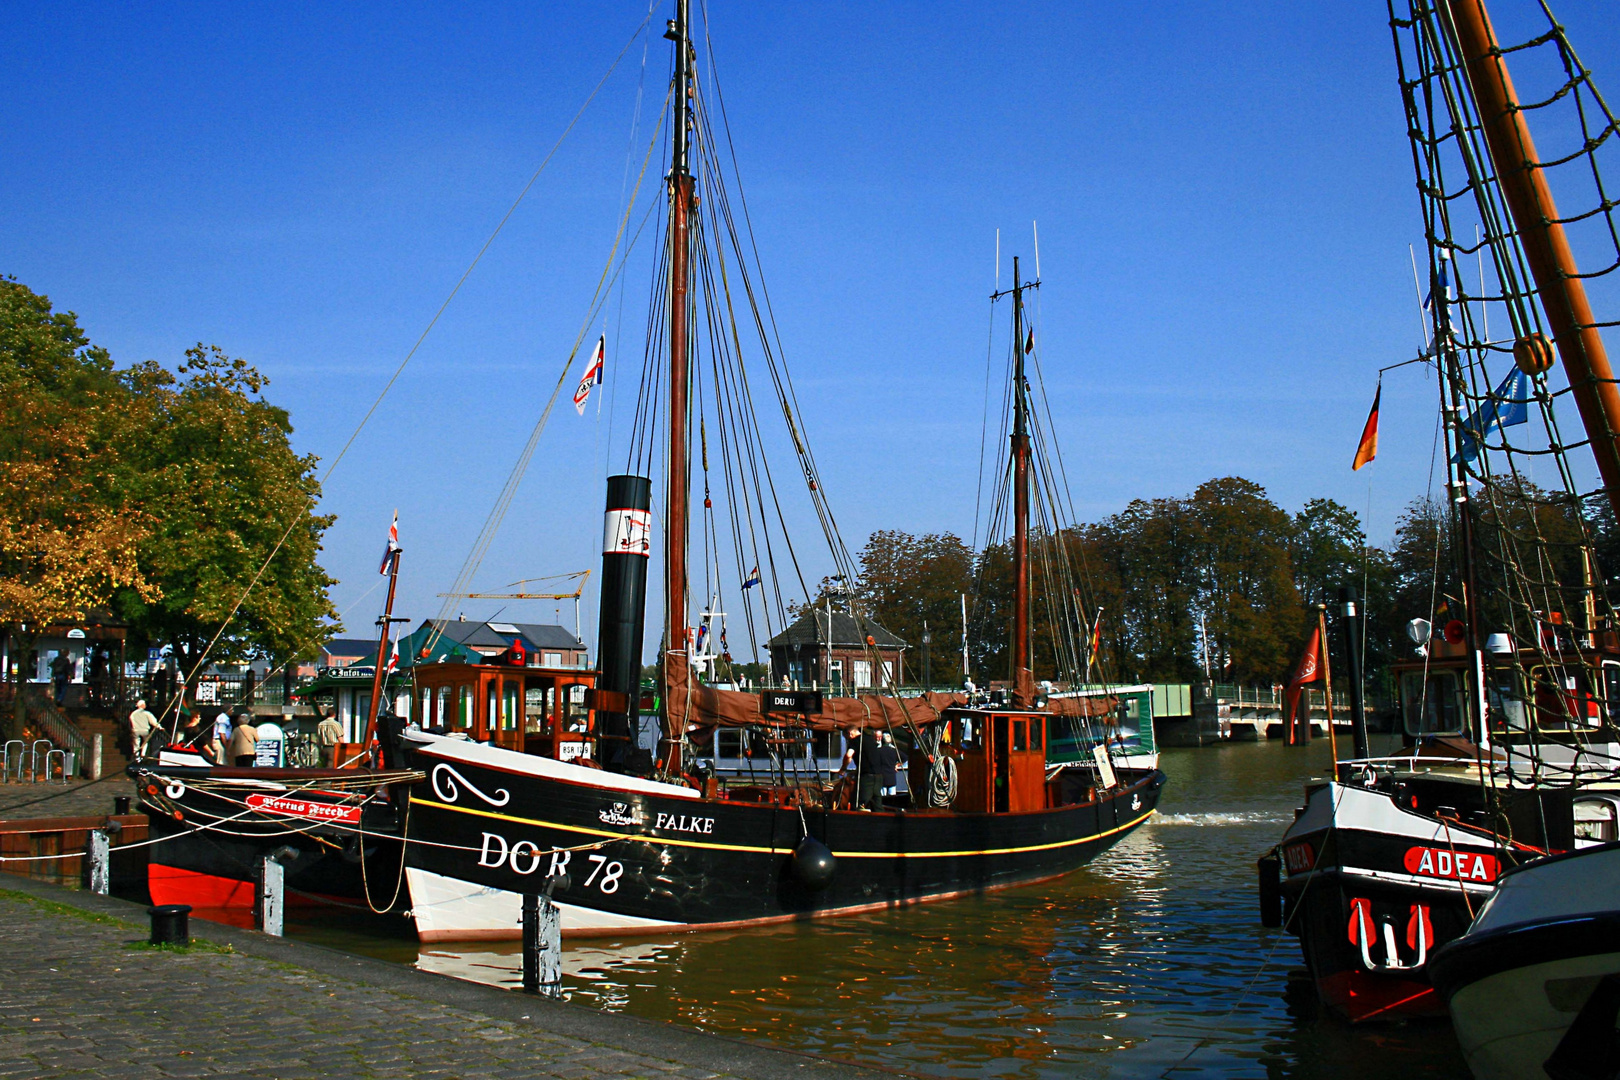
(542, 711)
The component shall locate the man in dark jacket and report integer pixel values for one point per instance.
(868, 786)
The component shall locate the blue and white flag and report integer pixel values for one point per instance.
(1509, 405)
(753, 578)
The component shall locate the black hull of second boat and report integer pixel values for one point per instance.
(1372, 889)
(641, 856)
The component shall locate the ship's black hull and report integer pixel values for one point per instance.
(209, 844)
(657, 859)
(1358, 864)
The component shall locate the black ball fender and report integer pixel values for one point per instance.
(814, 864)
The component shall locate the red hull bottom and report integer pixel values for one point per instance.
(1361, 995)
(214, 898)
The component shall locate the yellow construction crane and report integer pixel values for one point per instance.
(582, 576)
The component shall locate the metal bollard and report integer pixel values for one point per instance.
(95, 756)
(120, 804)
(272, 895)
(98, 853)
(171, 924)
(542, 941)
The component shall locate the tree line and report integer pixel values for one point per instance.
(161, 497)
(1223, 577)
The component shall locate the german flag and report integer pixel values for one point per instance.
(1369, 434)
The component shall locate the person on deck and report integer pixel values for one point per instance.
(141, 723)
(198, 739)
(889, 765)
(865, 747)
(244, 740)
(328, 733)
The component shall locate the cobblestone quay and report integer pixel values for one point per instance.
(82, 995)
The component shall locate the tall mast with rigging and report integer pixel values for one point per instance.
(1021, 674)
(681, 202)
(1519, 171)
(1023, 678)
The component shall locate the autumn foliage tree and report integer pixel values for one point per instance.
(173, 499)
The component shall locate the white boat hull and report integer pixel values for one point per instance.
(449, 909)
(1537, 976)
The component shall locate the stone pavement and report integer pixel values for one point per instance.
(80, 798)
(82, 995)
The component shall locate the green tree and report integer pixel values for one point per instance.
(910, 581)
(1252, 613)
(235, 536)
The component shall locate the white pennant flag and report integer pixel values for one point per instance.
(593, 376)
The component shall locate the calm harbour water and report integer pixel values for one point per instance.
(1149, 962)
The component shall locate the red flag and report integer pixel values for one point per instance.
(393, 545)
(1309, 670)
(1368, 449)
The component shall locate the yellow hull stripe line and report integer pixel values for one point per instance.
(672, 841)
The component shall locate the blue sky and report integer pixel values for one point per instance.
(1224, 194)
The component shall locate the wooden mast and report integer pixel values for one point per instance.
(1023, 678)
(1546, 248)
(380, 673)
(676, 662)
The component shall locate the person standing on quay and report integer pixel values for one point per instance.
(221, 735)
(244, 741)
(141, 723)
(61, 672)
(328, 734)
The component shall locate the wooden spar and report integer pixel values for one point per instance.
(380, 673)
(1546, 248)
(1023, 678)
(676, 668)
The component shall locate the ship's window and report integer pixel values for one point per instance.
(970, 734)
(1595, 822)
(1564, 700)
(1020, 737)
(1505, 702)
(441, 717)
(1432, 706)
(728, 744)
(1035, 727)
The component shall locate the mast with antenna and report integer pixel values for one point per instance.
(681, 184)
(1023, 678)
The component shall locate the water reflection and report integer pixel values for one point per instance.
(1150, 962)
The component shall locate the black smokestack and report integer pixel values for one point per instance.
(626, 548)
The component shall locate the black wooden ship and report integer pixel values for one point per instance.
(676, 849)
(506, 780)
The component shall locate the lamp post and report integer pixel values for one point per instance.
(1352, 652)
(927, 672)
